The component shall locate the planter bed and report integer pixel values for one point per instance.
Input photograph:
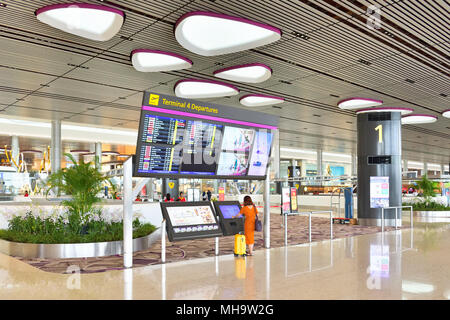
(74, 250)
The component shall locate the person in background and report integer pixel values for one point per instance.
(250, 212)
(26, 193)
(138, 198)
(181, 198)
(204, 196)
(168, 198)
(209, 194)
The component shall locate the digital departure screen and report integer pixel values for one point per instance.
(229, 211)
(182, 144)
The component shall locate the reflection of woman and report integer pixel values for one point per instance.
(250, 212)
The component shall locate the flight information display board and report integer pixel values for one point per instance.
(190, 220)
(182, 144)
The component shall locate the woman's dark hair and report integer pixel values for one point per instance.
(248, 201)
(168, 197)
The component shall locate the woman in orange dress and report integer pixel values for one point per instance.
(250, 212)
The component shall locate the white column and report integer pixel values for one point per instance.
(354, 165)
(128, 213)
(425, 168)
(442, 169)
(56, 146)
(319, 163)
(405, 165)
(15, 150)
(98, 155)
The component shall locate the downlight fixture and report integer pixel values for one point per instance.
(146, 60)
(212, 34)
(250, 73)
(196, 88)
(419, 119)
(446, 113)
(404, 111)
(358, 103)
(259, 100)
(91, 21)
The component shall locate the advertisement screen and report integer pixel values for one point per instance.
(229, 211)
(294, 204)
(237, 139)
(285, 200)
(260, 153)
(232, 164)
(379, 192)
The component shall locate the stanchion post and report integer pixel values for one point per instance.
(382, 219)
(285, 231)
(331, 225)
(411, 222)
(396, 214)
(128, 213)
(163, 241)
(309, 225)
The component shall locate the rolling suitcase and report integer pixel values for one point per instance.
(239, 245)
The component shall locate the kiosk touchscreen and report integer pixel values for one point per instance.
(190, 220)
(226, 210)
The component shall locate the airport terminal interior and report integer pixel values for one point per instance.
(224, 150)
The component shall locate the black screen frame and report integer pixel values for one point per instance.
(225, 223)
(191, 235)
(197, 176)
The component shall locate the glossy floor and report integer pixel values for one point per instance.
(406, 264)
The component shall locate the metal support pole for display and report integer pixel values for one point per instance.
(163, 241)
(217, 246)
(396, 214)
(382, 219)
(331, 225)
(128, 284)
(266, 199)
(127, 213)
(411, 217)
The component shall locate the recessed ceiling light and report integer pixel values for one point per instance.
(418, 119)
(367, 63)
(358, 103)
(146, 60)
(211, 34)
(446, 113)
(404, 111)
(410, 81)
(196, 88)
(259, 100)
(317, 115)
(251, 73)
(95, 22)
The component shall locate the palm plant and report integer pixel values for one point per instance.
(83, 182)
(426, 186)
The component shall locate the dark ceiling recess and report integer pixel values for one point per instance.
(443, 95)
(410, 81)
(367, 63)
(2, 4)
(300, 35)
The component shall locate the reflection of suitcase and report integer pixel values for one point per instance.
(239, 245)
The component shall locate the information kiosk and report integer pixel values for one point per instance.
(226, 210)
(190, 220)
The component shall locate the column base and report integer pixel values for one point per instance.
(377, 222)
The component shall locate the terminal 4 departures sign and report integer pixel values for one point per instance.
(189, 138)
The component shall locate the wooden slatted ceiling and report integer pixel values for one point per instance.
(415, 51)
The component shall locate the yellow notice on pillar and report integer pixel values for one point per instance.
(171, 185)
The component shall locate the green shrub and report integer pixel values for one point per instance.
(31, 229)
(427, 206)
